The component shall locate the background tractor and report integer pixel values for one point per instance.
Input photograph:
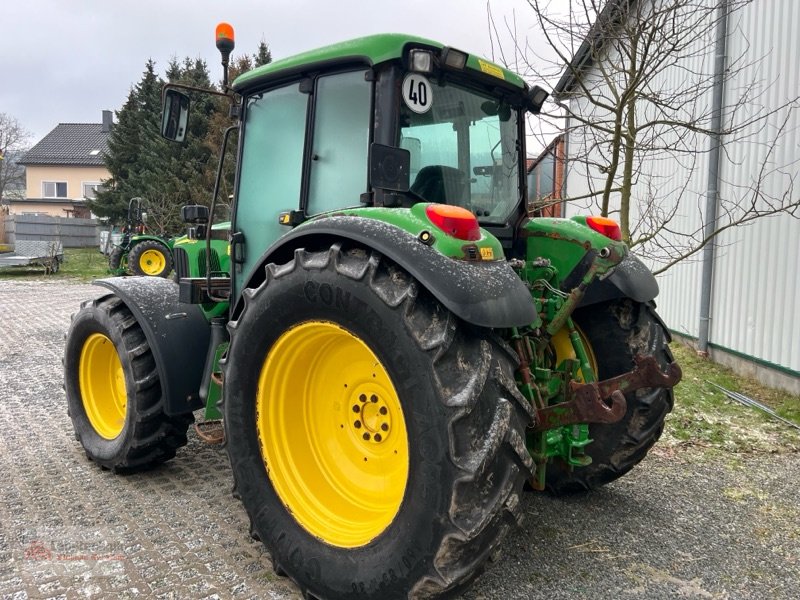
(396, 347)
(138, 252)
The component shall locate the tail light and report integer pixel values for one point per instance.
(608, 227)
(455, 221)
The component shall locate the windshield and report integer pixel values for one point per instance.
(463, 147)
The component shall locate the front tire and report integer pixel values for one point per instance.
(615, 332)
(150, 258)
(113, 390)
(376, 440)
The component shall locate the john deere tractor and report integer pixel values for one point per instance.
(396, 347)
(138, 252)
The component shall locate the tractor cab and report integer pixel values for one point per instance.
(385, 121)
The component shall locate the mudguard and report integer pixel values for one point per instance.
(178, 335)
(483, 293)
(629, 279)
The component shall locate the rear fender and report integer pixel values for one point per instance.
(629, 279)
(484, 293)
(565, 243)
(178, 335)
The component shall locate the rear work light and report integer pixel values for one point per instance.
(608, 227)
(455, 221)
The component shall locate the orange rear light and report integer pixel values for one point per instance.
(608, 227)
(455, 221)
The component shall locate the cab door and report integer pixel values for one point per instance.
(304, 148)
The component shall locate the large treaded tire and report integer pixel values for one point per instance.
(148, 436)
(616, 332)
(115, 258)
(464, 416)
(138, 254)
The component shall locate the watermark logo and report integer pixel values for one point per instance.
(36, 550)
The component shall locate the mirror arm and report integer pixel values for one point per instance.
(192, 88)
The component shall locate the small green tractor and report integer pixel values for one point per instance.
(396, 347)
(138, 252)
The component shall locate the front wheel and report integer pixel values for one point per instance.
(614, 332)
(376, 440)
(113, 390)
(150, 258)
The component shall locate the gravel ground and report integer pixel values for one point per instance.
(679, 526)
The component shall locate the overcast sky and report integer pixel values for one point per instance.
(66, 61)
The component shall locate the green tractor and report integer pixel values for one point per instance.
(138, 252)
(396, 347)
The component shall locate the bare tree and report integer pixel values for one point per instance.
(13, 141)
(634, 87)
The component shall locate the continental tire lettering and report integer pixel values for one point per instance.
(327, 294)
(342, 299)
(310, 290)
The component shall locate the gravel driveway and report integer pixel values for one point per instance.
(685, 526)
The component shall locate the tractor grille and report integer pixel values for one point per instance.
(181, 260)
(201, 263)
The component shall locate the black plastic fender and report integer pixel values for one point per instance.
(178, 335)
(629, 279)
(483, 293)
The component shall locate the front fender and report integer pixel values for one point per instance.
(483, 293)
(178, 335)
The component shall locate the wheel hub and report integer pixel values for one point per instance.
(372, 420)
(152, 262)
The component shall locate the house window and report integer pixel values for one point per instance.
(54, 189)
(89, 189)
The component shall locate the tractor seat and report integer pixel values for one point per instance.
(438, 183)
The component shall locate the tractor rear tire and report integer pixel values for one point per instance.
(616, 331)
(113, 390)
(115, 259)
(377, 441)
(150, 258)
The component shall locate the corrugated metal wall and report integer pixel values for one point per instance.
(756, 285)
(72, 233)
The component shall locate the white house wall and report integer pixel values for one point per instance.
(756, 286)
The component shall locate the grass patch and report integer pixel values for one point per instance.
(705, 417)
(81, 263)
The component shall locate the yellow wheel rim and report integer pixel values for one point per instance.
(332, 433)
(152, 262)
(102, 385)
(562, 346)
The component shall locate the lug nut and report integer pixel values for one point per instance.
(384, 410)
(378, 437)
(356, 408)
(363, 397)
(357, 424)
(366, 436)
(385, 427)
(373, 398)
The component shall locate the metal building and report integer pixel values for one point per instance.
(751, 319)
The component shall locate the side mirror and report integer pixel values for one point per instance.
(389, 167)
(174, 115)
(536, 97)
(194, 213)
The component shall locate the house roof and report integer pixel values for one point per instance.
(584, 57)
(77, 144)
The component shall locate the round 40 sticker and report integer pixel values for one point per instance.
(417, 93)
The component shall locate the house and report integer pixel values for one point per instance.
(546, 180)
(64, 169)
(735, 299)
